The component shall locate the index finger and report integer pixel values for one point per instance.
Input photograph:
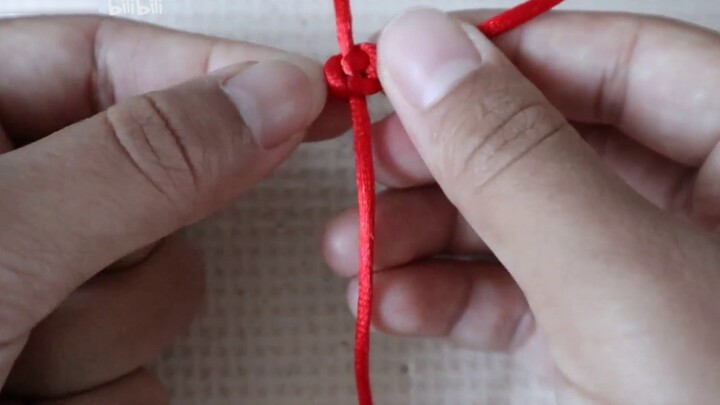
(58, 70)
(655, 79)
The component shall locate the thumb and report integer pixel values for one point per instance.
(95, 191)
(578, 241)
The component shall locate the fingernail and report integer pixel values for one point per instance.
(275, 98)
(426, 54)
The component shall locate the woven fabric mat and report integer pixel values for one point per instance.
(276, 329)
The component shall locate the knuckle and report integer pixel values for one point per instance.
(489, 132)
(165, 151)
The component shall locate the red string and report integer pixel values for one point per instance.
(516, 17)
(352, 75)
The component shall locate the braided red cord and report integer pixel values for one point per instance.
(352, 75)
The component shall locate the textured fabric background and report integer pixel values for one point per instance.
(276, 329)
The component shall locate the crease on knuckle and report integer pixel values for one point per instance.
(179, 139)
(147, 137)
(494, 135)
(610, 100)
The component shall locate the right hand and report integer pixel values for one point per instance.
(608, 263)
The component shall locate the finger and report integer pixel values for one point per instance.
(111, 326)
(138, 388)
(614, 78)
(518, 172)
(127, 177)
(334, 120)
(665, 183)
(133, 258)
(411, 225)
(475, 306)
(397, 162)
(90, 63)
(6, 144)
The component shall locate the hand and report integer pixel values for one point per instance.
(131, 132)
(608, 268)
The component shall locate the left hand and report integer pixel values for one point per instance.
(116, 134)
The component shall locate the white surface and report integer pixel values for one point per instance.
(276, 329)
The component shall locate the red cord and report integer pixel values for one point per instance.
(516, 17)
(352, 75)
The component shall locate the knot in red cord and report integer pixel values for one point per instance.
(354, 74)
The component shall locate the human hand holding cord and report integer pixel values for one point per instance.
(114, 135)
(604, 232)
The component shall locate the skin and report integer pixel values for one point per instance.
(624, 313)
(586, 244)
(96, 179)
